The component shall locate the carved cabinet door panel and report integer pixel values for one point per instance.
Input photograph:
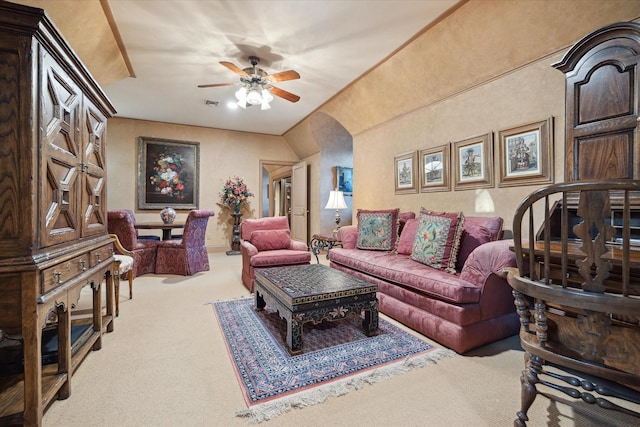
(94, 191)
(602, 104)
(61, 153)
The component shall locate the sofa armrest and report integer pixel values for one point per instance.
(487, 259)
(296, 245)
(248, 248)
(348, 235)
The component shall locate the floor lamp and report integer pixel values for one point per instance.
(336, 201)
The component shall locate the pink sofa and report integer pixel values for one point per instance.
(462, 311)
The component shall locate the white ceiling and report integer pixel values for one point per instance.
(175, 45)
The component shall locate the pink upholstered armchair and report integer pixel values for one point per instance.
(266, 242)
(188, 255)
(121, 223)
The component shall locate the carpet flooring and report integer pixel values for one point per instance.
(337, 357)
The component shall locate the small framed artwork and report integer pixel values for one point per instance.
(405, 166)
(473, 160)
(344, 180)
(526, 154)
(434, 168)
(168, 173)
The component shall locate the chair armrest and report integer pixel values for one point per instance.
(248, 248)
(298, 246)
(121, 249)
(348, 236)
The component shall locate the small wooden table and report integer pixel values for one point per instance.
(166, 228)
(313, 293)
(320, 242)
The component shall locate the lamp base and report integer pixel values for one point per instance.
(337, 220)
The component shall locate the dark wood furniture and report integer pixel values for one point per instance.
(53, 233)
(166, 228)
(578, 298)
(313, 293)
(602, 104)
(320, 242)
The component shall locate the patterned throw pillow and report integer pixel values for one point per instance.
(438, 239)
(377, 230)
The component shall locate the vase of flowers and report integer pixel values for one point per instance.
(234, 194)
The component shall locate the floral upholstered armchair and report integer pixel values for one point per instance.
(188, 255)
(121, 223)
(266, 242)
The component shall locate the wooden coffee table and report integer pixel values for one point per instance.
(313, 293)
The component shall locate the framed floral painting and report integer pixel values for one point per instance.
(406, 167)
(168, 172)
(434, 169)
(473, 160)
(526, 154)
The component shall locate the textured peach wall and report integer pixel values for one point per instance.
(222, 154)
(483, 68)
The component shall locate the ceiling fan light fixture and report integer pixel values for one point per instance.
(253, 97)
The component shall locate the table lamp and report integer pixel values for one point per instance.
(336, 201)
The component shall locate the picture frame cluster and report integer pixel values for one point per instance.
(524, 157)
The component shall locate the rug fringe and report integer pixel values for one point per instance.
(274, 408)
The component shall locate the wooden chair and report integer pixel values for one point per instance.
(121, 223)
(124, 266)
(576, 290)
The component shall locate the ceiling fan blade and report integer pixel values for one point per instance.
(234, 68)
(217, 84)
(284, 94)
(283, 76)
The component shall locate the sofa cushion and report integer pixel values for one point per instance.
(472, 237)
(403, 217)
(280, 257)
(408, 234)
(377, 230)
(402, 270)
(491, 223)
(269, 240)
(438, 239)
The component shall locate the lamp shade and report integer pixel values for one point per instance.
(336, 200)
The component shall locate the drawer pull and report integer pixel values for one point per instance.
(98, 257)
(83, 267)
(58, 276)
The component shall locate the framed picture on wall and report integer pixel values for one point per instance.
(406, 166)
(434, 168)
(473, 160)
(168, 172)
(344, 180)
(526, 154)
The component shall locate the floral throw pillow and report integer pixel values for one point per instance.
(377, 230)
(438, 239)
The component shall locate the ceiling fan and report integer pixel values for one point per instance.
(256, 86)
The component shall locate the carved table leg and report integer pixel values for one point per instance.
(370, 322)
(260, 304)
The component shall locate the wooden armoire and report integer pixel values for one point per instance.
(601, 73)
(53, 231)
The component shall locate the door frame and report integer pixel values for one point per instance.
(267, 164)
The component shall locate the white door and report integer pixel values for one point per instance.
(299, 203)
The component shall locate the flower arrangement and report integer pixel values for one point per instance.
(235, 193)
(169, 176)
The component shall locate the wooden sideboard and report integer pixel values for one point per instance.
(53, 230)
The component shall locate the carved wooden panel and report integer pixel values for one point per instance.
(61, 150)
(602, 104)
(94, 193)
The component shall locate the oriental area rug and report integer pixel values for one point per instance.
(337, 358)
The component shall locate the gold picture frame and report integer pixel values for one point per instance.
(434, 168)
(526, 154)
(406, 176)
(473, 161)
(168, 173)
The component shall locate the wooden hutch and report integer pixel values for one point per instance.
(53, 231)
